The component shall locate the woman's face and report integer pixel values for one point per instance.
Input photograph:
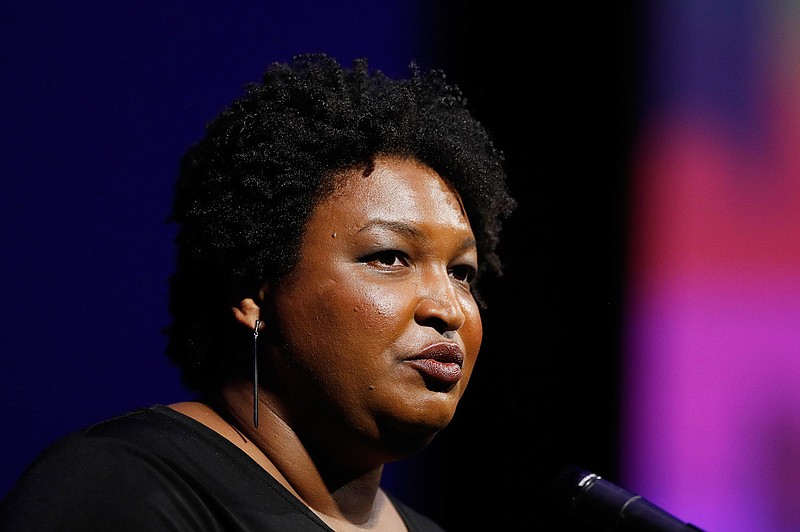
(379, 328)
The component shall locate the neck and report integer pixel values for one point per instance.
(323, 484)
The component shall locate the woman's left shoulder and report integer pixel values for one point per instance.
(414, 520)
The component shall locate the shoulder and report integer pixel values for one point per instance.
(414, 520)
(145, 440)
(124, 438)
(108, 476)
(150, 469)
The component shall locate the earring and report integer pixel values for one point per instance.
(255, 373)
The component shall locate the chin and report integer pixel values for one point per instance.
(405, 438)
(401, 446)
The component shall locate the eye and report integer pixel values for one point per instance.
(390, 258)
(465, 273)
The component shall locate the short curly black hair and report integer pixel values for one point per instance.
(245, 191)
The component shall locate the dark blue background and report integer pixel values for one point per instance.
(100, 99)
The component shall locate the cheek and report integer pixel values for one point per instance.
(376, 312)
(352, 340)
(352, 316)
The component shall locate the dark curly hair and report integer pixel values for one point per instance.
(246, 190)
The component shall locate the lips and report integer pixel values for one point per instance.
(440, 363)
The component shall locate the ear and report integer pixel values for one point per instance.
(247, 312)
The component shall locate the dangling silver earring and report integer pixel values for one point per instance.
(255, 373)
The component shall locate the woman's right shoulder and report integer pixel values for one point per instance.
(118, 446)
(95, 477)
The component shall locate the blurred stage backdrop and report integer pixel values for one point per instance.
(711, 419)
(647, 327)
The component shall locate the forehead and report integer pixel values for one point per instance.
(399, 188)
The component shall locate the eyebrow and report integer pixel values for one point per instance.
(410, 231)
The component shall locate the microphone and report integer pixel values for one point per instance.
(595, 500)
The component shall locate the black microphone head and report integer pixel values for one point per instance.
(566, 486)
(589, 497)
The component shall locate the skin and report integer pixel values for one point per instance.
(381, 289)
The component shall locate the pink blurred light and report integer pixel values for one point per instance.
(712, 430)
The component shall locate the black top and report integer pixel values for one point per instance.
(157, 469)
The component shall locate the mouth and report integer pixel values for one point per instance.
(439, 364)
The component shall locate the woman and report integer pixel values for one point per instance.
(333, 226)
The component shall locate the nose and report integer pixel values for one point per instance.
(439, 305)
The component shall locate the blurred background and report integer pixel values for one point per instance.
(648, 324)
